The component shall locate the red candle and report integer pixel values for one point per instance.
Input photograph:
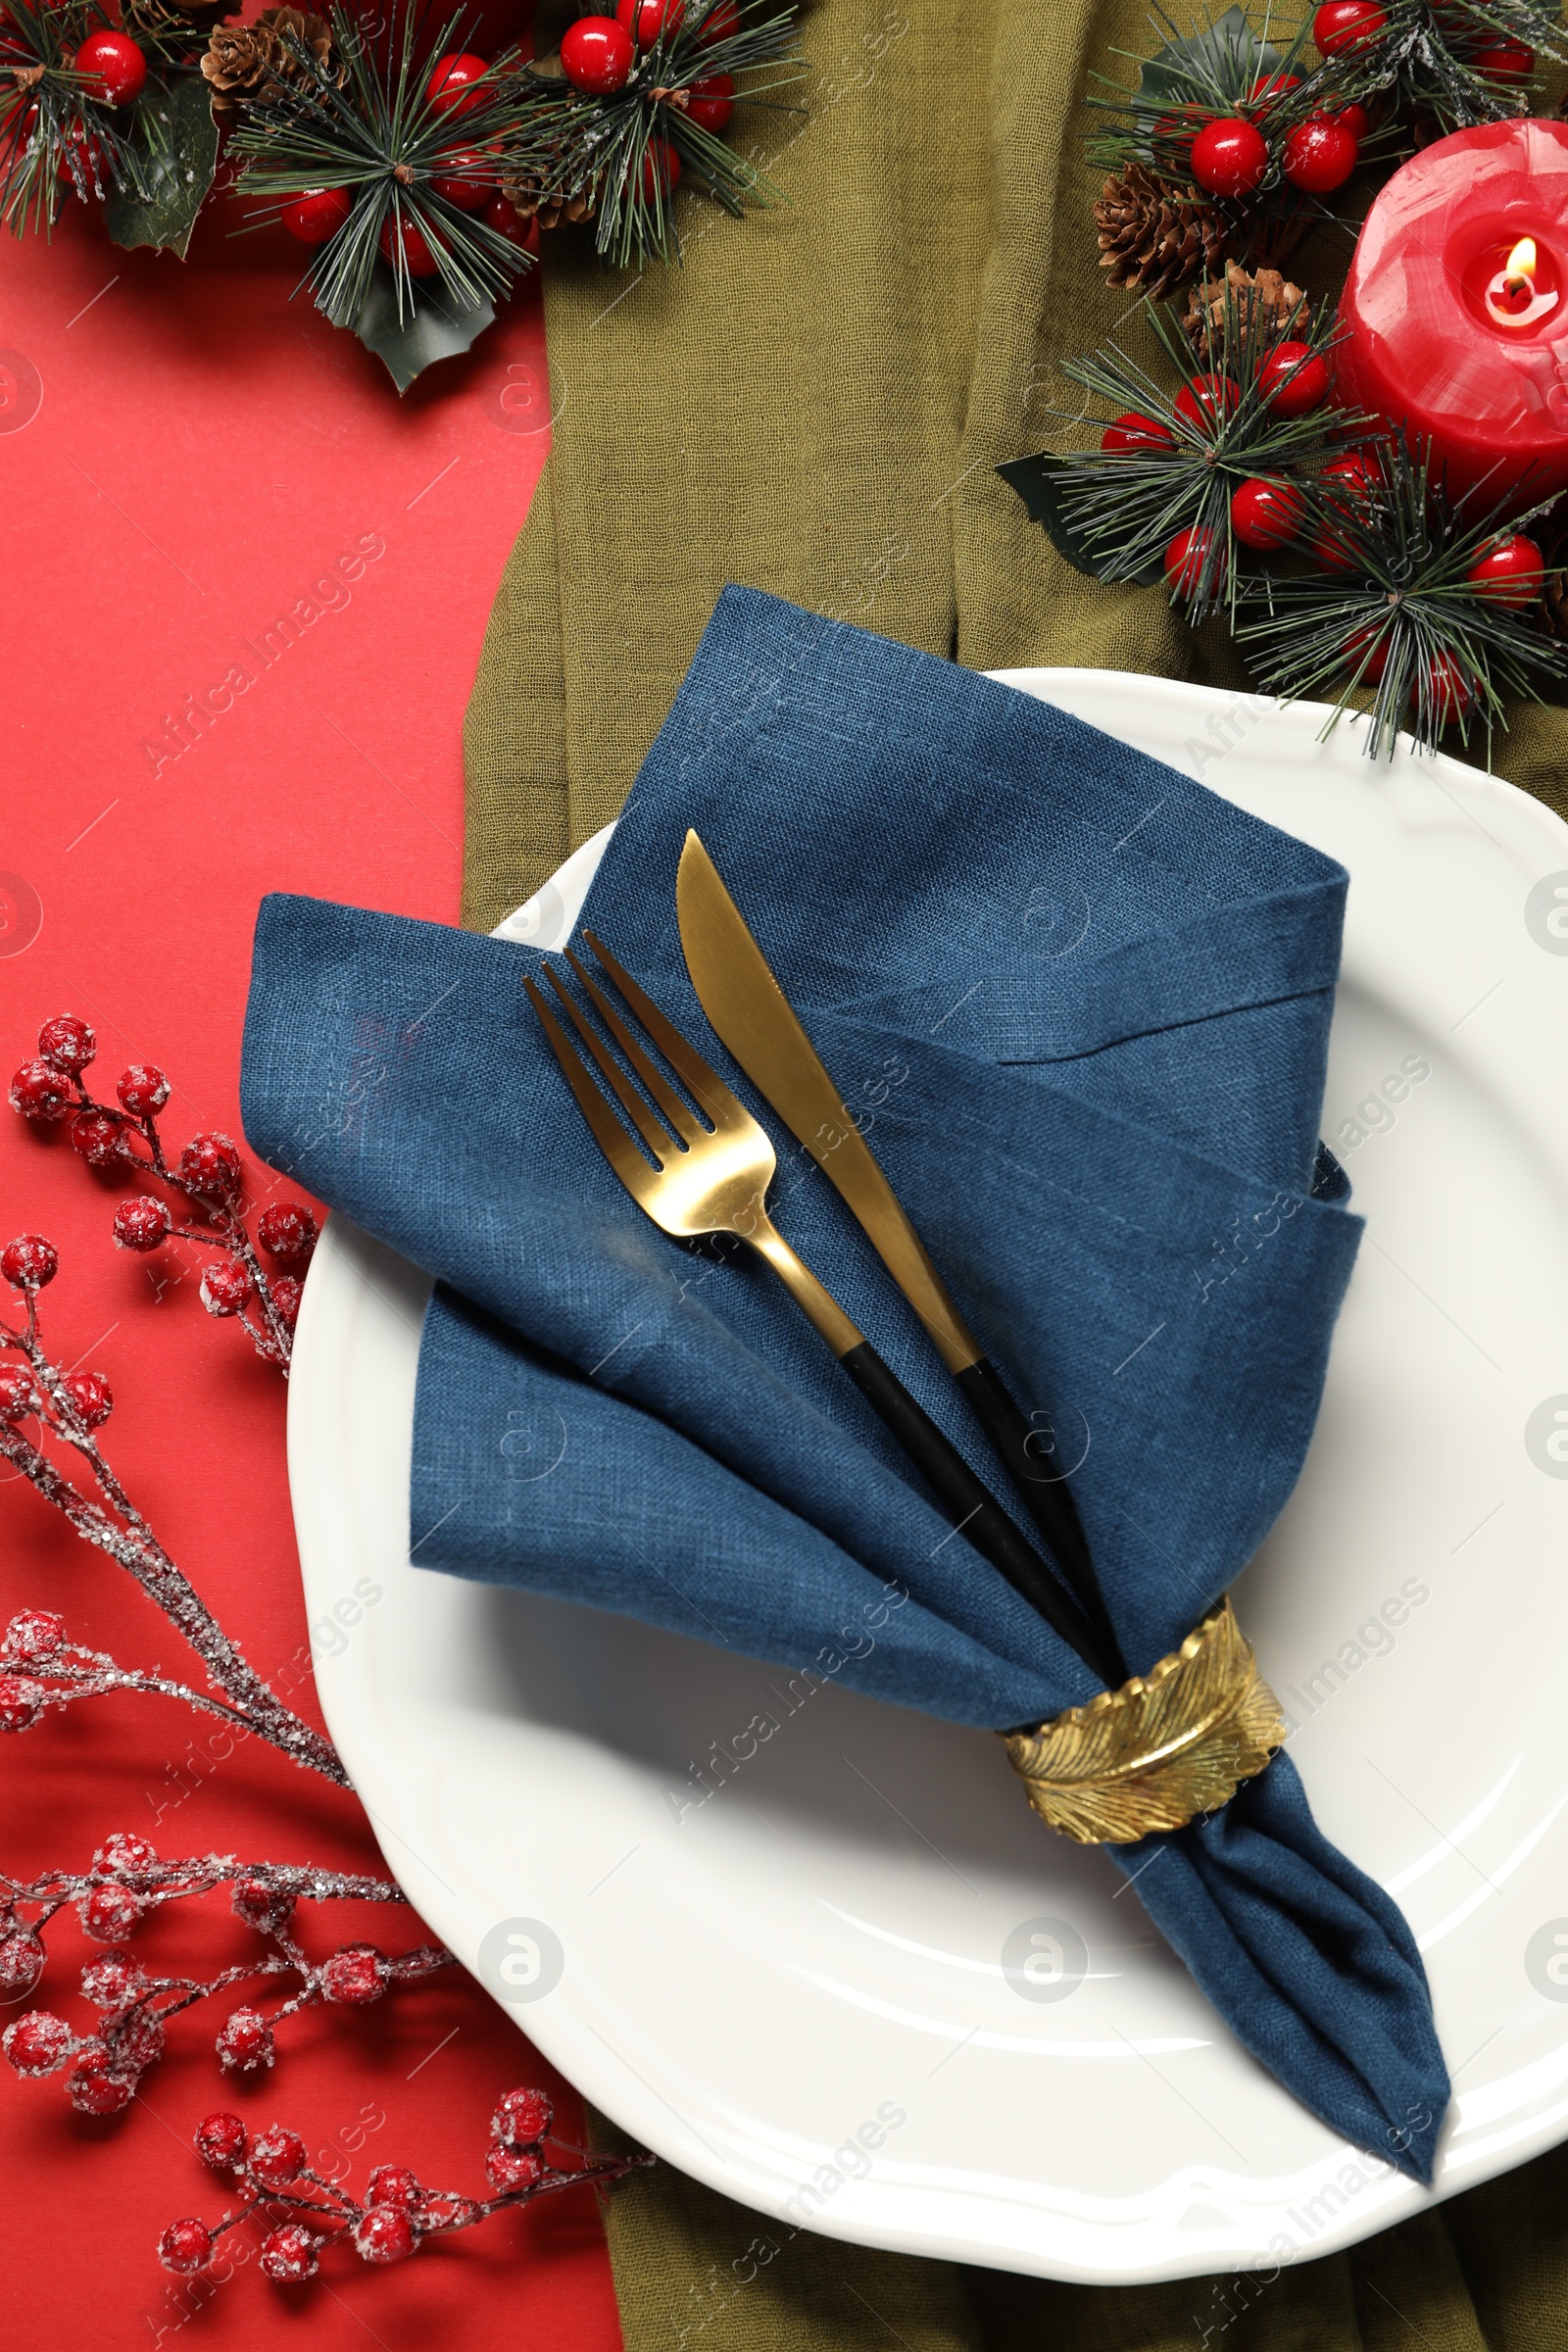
(1456, 310)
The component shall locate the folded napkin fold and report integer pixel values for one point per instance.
(1083, 1005)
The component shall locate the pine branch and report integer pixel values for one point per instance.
(54, 134)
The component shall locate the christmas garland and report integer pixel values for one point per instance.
(418, 174)
(1327, 542)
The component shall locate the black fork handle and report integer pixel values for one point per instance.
(976, 1513)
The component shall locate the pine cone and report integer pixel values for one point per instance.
(256, 62)
(1262, 302)
(547, 206)
(1153, 235)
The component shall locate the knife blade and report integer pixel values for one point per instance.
(748, 1010)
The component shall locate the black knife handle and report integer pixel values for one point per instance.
(1048, 1496)
(977, 1514)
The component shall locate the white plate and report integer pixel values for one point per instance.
(749, 1984)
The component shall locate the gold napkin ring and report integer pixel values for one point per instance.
(1169, 1744)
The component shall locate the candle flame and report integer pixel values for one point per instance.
(1521, 262)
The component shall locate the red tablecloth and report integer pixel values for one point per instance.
(183, 454)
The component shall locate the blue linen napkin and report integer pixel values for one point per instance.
(1083, 1006)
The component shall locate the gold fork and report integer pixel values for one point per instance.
(706, 1179)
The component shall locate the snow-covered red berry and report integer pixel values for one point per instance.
(245, 2041)
(40, 1092)
(384, 2234)
(29, 1261)
(261, 1906)
(506, 2168)
(34, 1633)
(142, 1223)
(136, 2042)
(290, 2255)
(110, 1912)
(356, 1975)
(222, 2140)
(185, 2247)
(67, 1043)
(142, 1089)
(276, 2156)
(99, 1136)
(22, 1959)
(112, 1981)
(17, 1396)
(38, 2043)
(209, 1165)
(286, 1297)
(92, 1397)
(287, 1230)
(394, 2184)
(522, 2119)
(124, 1849)
(226, 1286)
(21, 1702)
(95, 2086)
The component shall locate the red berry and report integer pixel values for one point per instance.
(1320, 155)
(34, 1633)
(1272, 88)
(1230, 157)
(222, 2142)
(113, 60)
(512, 2168)
(394, 2184)
(1135, 433)
(245, 2041)
(406, 237)
(39, 1091)
(290, 2255)
(17, 1398)
(650, 19)
(29, 1261)
(286, 1297)
(1205, 400)
(1294, 379)
(261, 1906)
(597, 55)
(142, 1089)
(136, 2042)
(99, 1136)
(1187, 561)
(660, 163)
(112, 1981)
(1504, 61)
(1266, 513)
(22, 1959)
(69, 1042)
(91, 1394)
(1451, 690)
(522, 2119)
(276, 2156)
(21, 1702)
(468, 181)
(1357, 122)
(711, 101)
(356, 1975)
(1512, 571)
(384, 2234)
(209, 1167)
(287, 1230)
(123, 1850)
(110, 1912)
(1341, 26)
(185, 2247)
(94, 2088)
(450, 90)
(720, 21)
(142, 1224)
(37, 2044)
(503, 215)
(1172, 140)
(226, 1286)
(317, 215)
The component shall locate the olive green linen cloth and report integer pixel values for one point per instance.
(814, 405)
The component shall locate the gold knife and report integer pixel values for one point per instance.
(747, 1007)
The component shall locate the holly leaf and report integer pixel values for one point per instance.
(1035, 480)
(436, 328)
(1212, 54)
(175, 142)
